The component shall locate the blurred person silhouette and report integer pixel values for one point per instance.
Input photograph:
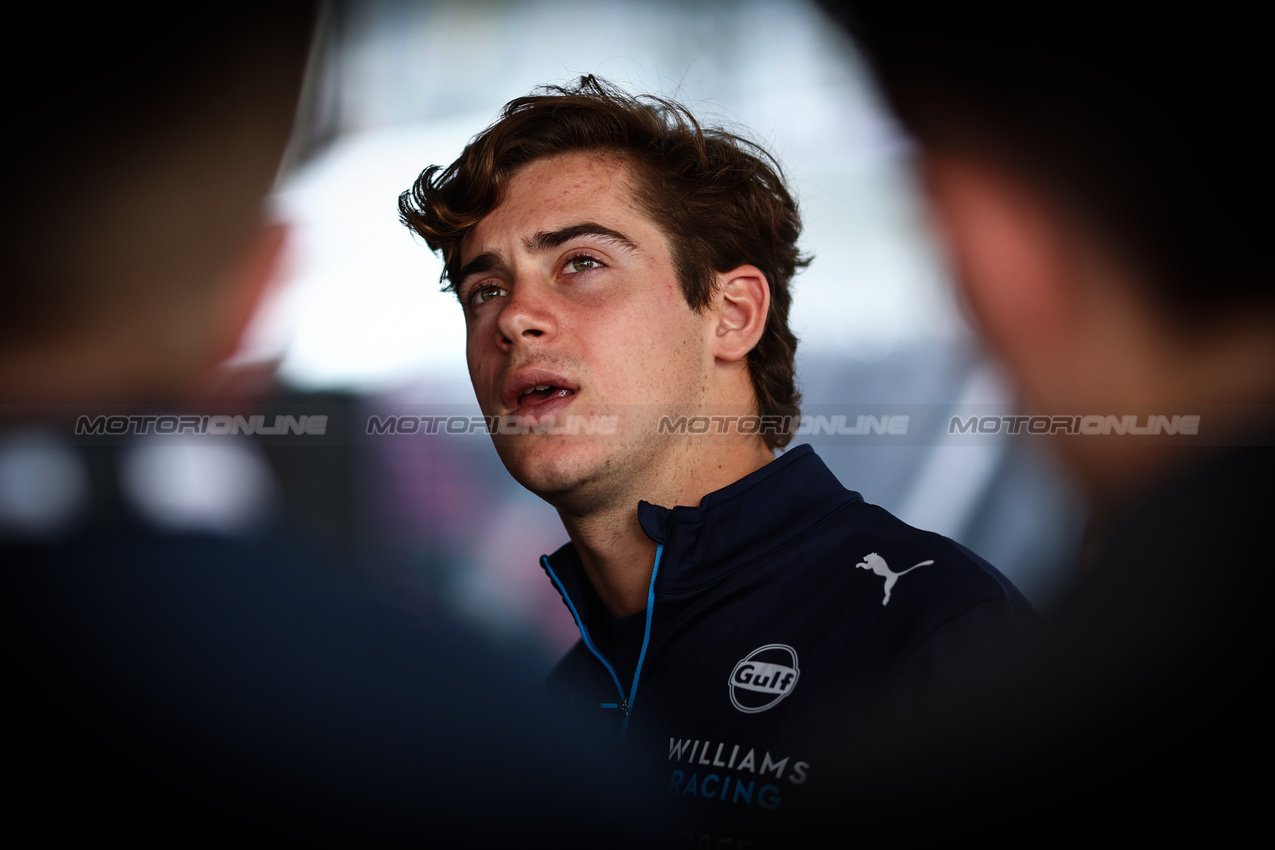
(173, 667)
(1101, 183)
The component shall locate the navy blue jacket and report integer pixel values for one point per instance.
(779, 597)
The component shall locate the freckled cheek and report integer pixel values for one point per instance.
(638, 356)
(476, 362)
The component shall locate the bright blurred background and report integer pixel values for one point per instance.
(358, 320)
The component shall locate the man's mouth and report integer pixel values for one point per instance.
(542, 393)
(537, 392)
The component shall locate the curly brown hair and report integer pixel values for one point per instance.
(720, 199)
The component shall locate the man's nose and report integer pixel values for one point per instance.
(528, 314)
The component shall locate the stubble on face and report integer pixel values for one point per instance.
(626, 335)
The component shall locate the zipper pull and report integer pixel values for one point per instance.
(624, 707)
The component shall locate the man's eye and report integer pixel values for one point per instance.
(483, 294)
(582, 263)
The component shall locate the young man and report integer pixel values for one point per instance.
(1103, 186)
(622, 270)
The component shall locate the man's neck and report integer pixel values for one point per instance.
(617, 556)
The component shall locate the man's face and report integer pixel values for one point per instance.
(573, 309)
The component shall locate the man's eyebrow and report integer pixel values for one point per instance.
(546, 240)
(485, 262)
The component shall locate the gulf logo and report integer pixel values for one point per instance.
(763, 678)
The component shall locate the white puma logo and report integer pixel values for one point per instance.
(873, 561)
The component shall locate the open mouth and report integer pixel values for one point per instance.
(542, 402)
(537, 393)
(541, 393)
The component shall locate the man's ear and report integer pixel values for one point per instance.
(739, 308)
(1012, 257)
(239, 295)
(245, 288)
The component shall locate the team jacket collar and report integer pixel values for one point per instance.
(731, 527)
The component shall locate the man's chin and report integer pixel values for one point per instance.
(554, 468)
